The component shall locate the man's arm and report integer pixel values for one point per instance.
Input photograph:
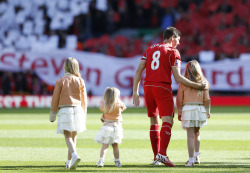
(184, 81)
(141, 67)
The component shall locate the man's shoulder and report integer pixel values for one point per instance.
(163, 48)
(174, 52)
(172, 49)
(168, 48)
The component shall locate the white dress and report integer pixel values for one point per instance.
(110, 133)
(71, 118)
(193, 116)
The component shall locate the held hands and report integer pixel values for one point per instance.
(136, 99)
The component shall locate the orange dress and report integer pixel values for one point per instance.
(193, 103)
(111, 132)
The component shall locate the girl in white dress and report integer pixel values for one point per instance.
(111, 132)
(193, 108)
(70, 98)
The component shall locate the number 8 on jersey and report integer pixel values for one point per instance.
(155, 63)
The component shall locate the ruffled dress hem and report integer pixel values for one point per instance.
(193, 116)
(71, 119)
(110, 135)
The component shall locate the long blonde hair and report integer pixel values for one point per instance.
(193, 72)
(71, 66)
(111, 96)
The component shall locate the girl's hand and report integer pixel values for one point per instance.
(179, 117)
(52, 116)
(208, 116)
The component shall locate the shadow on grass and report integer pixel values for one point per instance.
(129, 168)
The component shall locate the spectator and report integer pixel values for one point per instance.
(6, 81)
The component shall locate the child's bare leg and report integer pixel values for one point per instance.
(197, 139)
(190, 141)
(115, 150)
(69, 155)
(74, 137)
(104, 150)
(70, 143)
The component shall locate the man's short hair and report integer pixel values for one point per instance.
(171, 31)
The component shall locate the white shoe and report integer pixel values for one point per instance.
(189, 163)
(118, 163)
(156, 162)
(74, 162)
(100, 163)
(68, 165)
(197, 160)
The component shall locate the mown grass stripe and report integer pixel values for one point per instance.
(29, 143)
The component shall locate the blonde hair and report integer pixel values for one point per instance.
(71, 65)
(193, 72)
(111, 96)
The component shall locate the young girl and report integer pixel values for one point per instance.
(111, 132)
(193, 110)
(70, 97)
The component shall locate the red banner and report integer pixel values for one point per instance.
(31, 101)
(100, 71)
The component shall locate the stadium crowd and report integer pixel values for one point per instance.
(120, 28)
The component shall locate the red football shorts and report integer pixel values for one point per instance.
(159, 101)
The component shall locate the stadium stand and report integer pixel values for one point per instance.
(124, 28)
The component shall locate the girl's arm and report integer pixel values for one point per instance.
(179, 101)
(102, 118)
(85, 100)
(123, 106)
(102, 106)
(207, 102)
(55, 101)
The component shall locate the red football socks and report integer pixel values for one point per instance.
(165, 136)
(155, 138)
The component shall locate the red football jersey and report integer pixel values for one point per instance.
(159, 61)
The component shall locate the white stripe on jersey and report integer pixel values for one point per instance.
(160, 87)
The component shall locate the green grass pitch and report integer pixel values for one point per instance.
(29, 143)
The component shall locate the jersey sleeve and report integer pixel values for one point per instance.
(144, 55)
(175, 58)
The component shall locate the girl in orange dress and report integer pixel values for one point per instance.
(193, 108)
(111, 133)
